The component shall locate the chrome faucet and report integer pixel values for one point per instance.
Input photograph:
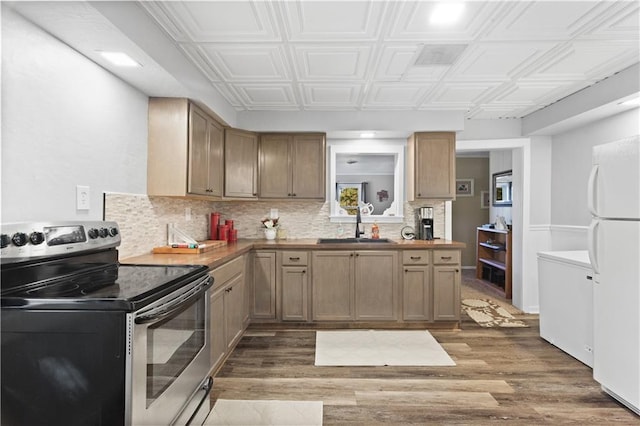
(358, 222)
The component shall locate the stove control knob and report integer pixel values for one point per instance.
(4, 240)
(36, 238)
(104, 232)
(19, 239)
(93, 233)
(113, 231)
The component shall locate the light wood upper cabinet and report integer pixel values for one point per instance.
(292, 166)
(241, 168)
(431, 166)
(185, 156)
(206, 161)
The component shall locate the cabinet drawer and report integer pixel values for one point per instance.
(295, 258)
(415, 257)
(224, 273)
(446, 257)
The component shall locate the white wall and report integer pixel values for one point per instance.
(65, 122)
(570, 167)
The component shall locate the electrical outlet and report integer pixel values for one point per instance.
(83, 197)
(187, 213)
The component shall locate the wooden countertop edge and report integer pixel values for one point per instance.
(219, 256)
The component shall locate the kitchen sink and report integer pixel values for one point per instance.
(353, 240)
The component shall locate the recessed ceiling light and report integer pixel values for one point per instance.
(367, 134)
(631, 102)
(446, 13)
(120, 59)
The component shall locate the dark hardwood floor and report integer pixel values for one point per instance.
(503, 375)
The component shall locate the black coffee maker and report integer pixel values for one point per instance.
(424, 223)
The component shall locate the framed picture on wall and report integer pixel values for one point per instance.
(484, 199)
(464, 187)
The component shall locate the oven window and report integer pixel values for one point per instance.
(171, 345)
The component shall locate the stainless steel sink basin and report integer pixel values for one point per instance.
(352, 240)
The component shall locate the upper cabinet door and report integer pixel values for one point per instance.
(308, 164)
(206, 156)
(275, 166)
(292, 166)
(198, 152)
(216, 159)
(185, 155)
(432, 167)
(241, 168)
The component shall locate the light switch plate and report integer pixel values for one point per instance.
(83, 197)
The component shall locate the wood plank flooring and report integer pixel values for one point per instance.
(502, 375)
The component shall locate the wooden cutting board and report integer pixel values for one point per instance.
(205, 246)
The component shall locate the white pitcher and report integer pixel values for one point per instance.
(366, 209)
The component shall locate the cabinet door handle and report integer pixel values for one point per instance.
(304, 271)
(419, 194)
(416, 257)
(294, 194)
(351, 255)
(445, 257)
(289, 195)
(294, 258)
(357, 254)
(589, 277)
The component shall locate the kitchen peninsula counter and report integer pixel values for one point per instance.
(222, 255)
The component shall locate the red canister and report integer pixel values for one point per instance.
(233, 237)
(229, 223)
(213, 228)
(223, 232)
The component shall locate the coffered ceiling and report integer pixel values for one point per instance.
(514, 57)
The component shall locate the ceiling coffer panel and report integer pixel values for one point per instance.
(248, 63)
(393, 95)
(268, 96)
(321, 21)
(329, 63)
(216, 21)
(322, 95)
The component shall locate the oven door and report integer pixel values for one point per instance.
(170, 354)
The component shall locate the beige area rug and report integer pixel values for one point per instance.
(258, 413)
(489, 314)
(378, 348)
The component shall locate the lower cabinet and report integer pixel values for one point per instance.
(417, 290)
(294, 284)
(263, 301)
(376, 285)
(228, 308)
(332, 285)
(354, 285)
(447, 276)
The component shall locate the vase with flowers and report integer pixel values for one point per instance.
(270, 228)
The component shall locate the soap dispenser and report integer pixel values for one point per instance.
(375, 231)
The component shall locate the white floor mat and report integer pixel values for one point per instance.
(258, 413)
(379, 347)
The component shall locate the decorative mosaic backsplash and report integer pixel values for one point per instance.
(143, 220)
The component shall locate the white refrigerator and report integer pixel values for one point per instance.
(614, 251)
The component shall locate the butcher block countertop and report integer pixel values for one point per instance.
(222, 255)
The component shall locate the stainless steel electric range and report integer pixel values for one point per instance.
(88, 341)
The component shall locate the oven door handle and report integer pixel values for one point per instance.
(167, 309)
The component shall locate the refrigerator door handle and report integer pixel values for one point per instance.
(591, 190)
(593, 245)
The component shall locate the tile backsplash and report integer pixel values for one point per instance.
(143, 219)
